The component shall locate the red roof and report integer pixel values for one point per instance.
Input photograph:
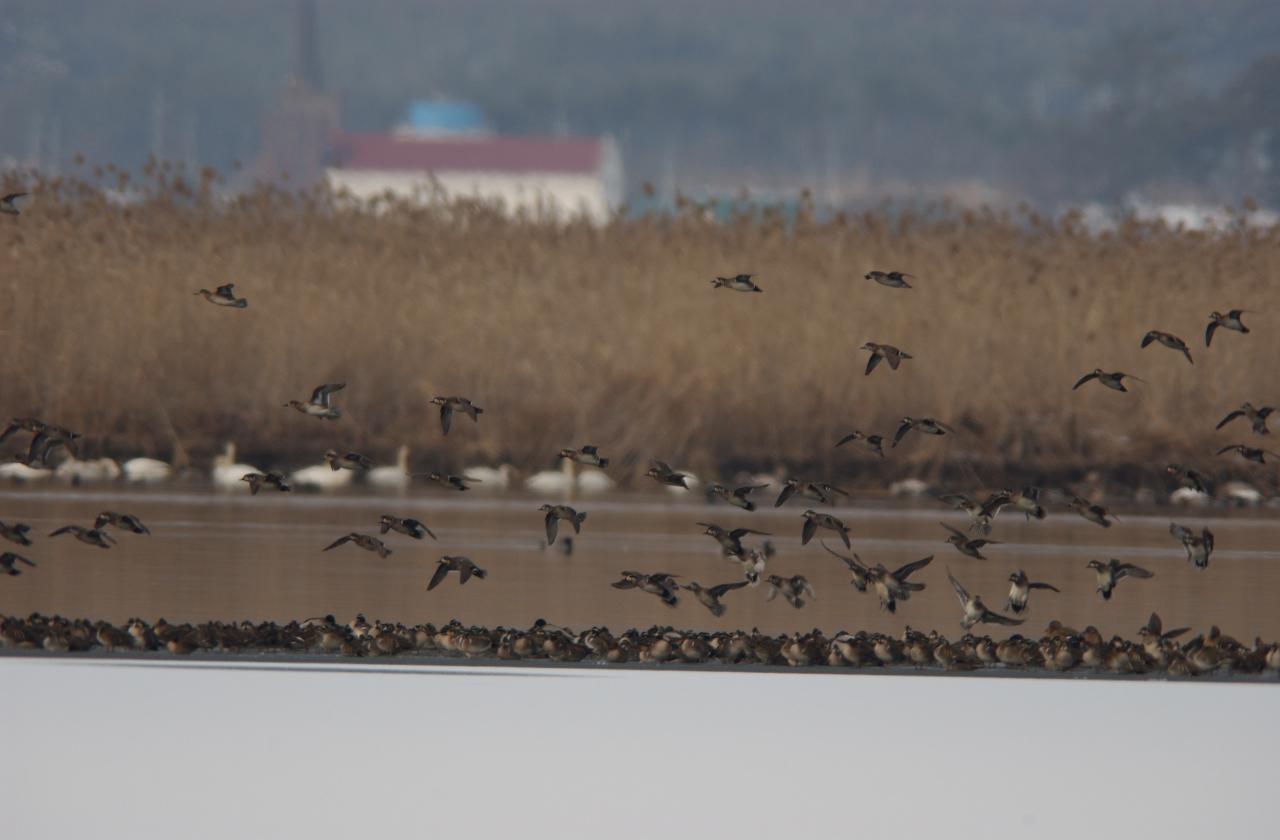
(476, 154)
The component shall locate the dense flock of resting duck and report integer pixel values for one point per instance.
(1060, 648)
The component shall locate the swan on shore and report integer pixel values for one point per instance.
(18, 471)
(490, 478)
(226, 473)
(94, 469)
(392, 478)
(146, 470)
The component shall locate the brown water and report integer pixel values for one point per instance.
(233, 556)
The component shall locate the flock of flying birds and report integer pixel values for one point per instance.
(892, 587)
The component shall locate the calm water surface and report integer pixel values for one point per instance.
(233, 556)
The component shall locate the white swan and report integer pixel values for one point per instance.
(95, 469)
(559, 481)
(567, 479)
(321, 477)
(147, 470)
(591, 482)
(18, 471)
(490, 478)
(226, 473)
(392, 478)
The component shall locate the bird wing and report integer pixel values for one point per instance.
(721, 589)
(1130, 570)
(806, 533)
(339, 541)
(226, 290)
(841, 442)
(872, 362)
(1048, 586)
(742, 492)
(465, 570)
(739, 533)
(65, 529)
(902, 430)
(661, 466)
(553, 525)
(442, 569)
(1149, 337)
(1233, 415)
(1084, 379)
(954, 531)
(320, 396)
(446, 417)
(1208, 333)
(895, 358)
(854, 563)
(1233, 447)
(914, 566)
(996, 618)
(13, 427)
(961, 592)
(589, 450)
(788, 490)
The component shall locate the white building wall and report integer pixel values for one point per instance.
(564, 195)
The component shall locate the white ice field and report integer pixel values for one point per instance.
(149, 749)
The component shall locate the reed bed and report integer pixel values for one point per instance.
(567, 333)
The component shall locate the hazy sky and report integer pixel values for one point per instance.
(1055, 100)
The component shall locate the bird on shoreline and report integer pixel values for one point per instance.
(871, 443)
(124, 521)
(364, 541)
(892, 279)
(966, 546)
(554, 513)
(888, 352)
(1114, 381)
(976, 612)
(1230, 321)
(319, 405)
(257, 481)
(9, 561)
(1250, 453)
(738, 496)
(710, 597)
(1169, 340)
(408, 527)
(462, 565)
(224, 296)
(1112, 571)
(347, 461)
(448, 405)
(923, 425)
(814, 520)
(88, 536)
(1257, 417)
(589, 455)
(1020, 587)
(738, 283)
